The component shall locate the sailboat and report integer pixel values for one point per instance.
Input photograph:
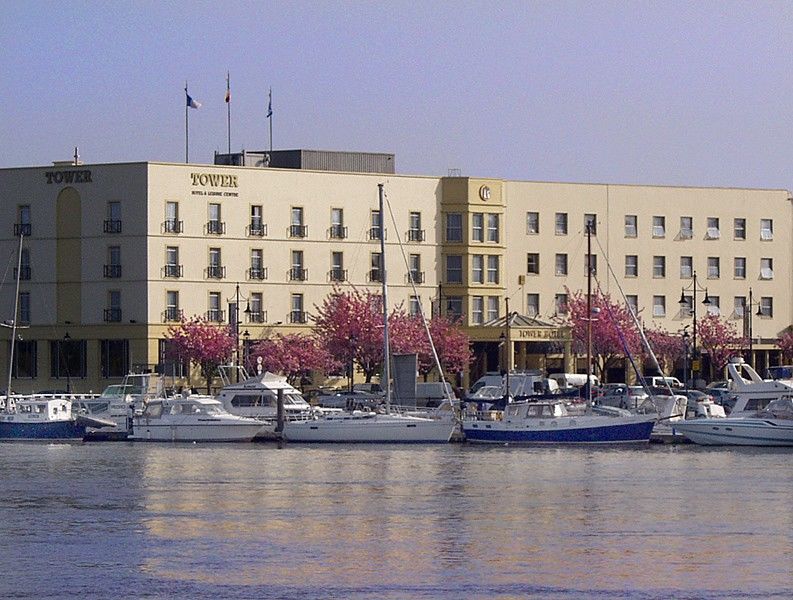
(37, 416)
(548, 421)
(370, 426)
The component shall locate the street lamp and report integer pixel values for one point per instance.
(747, 315)
(234, 320)
(694, 287)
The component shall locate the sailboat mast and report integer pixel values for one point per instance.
(14, 319)
(589, 316)
(386, 354)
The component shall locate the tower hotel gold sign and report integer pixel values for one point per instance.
(215, 180)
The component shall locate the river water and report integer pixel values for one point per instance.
(124, 520)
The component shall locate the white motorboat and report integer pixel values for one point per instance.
(191, 418)
(762, 414)
(257, 396)
(368, 426)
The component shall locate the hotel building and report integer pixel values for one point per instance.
(114, 254)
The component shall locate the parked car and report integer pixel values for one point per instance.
(624, 396)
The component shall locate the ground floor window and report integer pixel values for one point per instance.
(67, 359)
(170, 362)
(25, 359)
(114, 358)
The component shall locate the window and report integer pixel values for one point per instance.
(533, 263)
(739, 267)
(172, 311)
(687, 306)
(477, 310)
(375, 266)
(215, 270)
(215, 314)
(659, 266)
(630, 226)
(337, 272)
(67, 359)
(415, 232)
(766, 308)
(297, 272)
(414, 306)
(686, 267)
(113, 267)
(766, 229)
(631, 265)
(532, 305)
(532, 223)
(713, 232)
(477, 268)
(632, 300)
(296, 228)
(714, 270)
(114, 358)
(214, 224)
(296, 315)
(454, 307)
(257, 226)
(172, 266)
(25, 359)
(766, 268)
(739, 304)
(416, 274)
(714, 308)
(113, 311)
(659, 306)
(113, 220)
(454, 268)
(591, 223)
(24, 307)
(24, 272)
(172, 223)
(256, 314)
(257, 271)
(560, 304)
(686, 228)
(478, 227)
(560, 268)
(591, 263)
(493, 303)
(659, 227)
(337, 229)
(738, 228)
(492, 269)
(23, 226)
(375, 221)
(454, 227)
(560, 224)
(492, 228)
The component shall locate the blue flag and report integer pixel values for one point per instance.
(192, 103)
(270, 106)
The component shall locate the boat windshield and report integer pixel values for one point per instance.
(115, 391)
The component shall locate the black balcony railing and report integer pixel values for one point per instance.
(172, 270)
(112, 271)
(375, 275)
(22, 229)
(112, 226)
(173, 226)
(298, 231)
(374, 233)
(338, 274)
(215, 315)
(257, 316)
(298, 274)
(112, 315)
(24, 273)
(172, 314)
(257, 273)
(216, 272)
(216, 227)
(415, 235)
(417, 276)
(297, 316)
(338, 232)
(257, 229)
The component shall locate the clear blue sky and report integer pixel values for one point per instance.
(678, 93)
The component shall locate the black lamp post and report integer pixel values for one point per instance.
(748, 316)
(65, 355)
(694, 287)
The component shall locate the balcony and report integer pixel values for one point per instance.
(297, 316)
(215, 315)
(215, 272)
(337, 275)
(24, 274)
(374, 233)
(298, 274)
(215, 228)
(416, 235)
(257, 316)
(256, 229)
(172, 313)
(298, 231)
(174, 271)
(257, 273)
(375, 275)
(337, 232)
(22, 229)
(112, 271)
(172, 226)
(417, 276)
(112, 315)
(112, 226)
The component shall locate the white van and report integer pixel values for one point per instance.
(569, 381)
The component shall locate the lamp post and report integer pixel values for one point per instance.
(694, 287)
(747, 315)
(245, 348)
(234, 320)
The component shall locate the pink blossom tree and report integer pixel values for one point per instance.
(203, 343)
(785, 343)
(667, 347)
(719, 339)
(613, 329)
(293, 355)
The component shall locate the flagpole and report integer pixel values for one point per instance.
(186, 127)
(270, 116)
(228, 105)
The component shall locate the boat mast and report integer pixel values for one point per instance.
(386, 355)
(589, 316)
(14, 320)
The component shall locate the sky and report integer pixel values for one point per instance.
(664, 93)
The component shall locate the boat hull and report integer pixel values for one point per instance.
(591, 430)
(234, 432)
(384, 429)
(737, 432)
(49, 430)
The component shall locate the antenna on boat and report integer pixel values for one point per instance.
(386, 354)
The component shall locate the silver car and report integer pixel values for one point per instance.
(624, 396)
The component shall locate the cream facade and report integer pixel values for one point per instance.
(116, 253)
